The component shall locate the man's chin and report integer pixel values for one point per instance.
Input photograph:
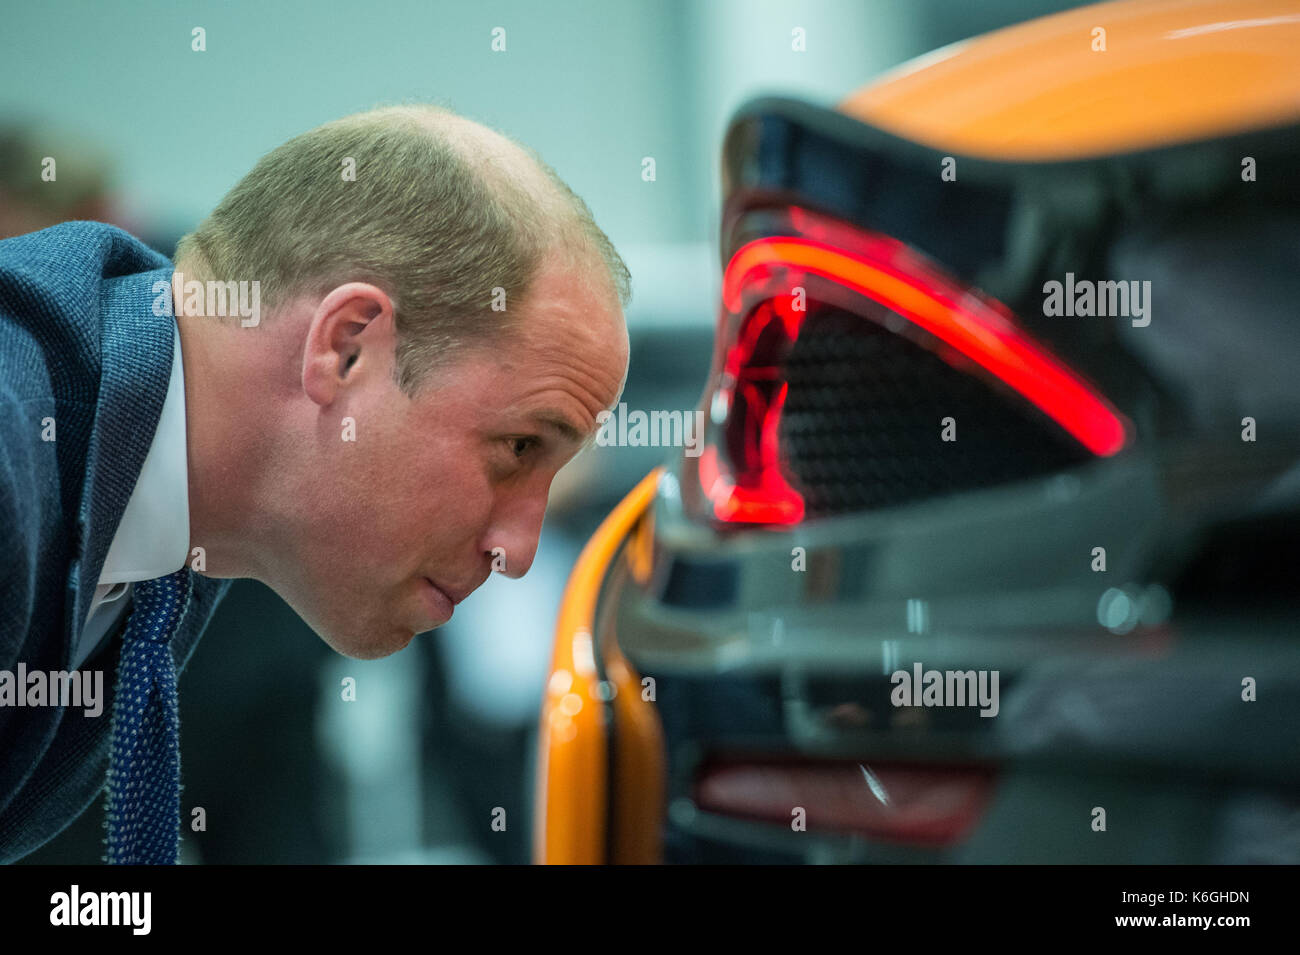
(358, 639)
(373, 645)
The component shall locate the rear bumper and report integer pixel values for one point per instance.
(756, 661)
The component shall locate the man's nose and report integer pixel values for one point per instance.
(511, 541)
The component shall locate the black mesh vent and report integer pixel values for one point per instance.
(861, 426)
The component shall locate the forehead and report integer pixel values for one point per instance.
(576, 360)
(564, 362)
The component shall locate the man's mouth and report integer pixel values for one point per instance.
(438, 603)
(452, 595)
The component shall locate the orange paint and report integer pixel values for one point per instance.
(1172, 71)
(573, 772)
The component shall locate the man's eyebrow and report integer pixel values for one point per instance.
(563, 425)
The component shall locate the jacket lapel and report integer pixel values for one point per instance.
(136, 353)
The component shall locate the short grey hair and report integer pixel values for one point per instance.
(439, 225)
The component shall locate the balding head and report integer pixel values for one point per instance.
(451, 218)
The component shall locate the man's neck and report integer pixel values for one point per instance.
(226, 439)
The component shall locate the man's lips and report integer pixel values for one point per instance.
(453, 596)
(438, 606)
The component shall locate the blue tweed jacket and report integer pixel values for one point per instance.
(79, 343)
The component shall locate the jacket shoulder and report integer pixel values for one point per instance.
(19, 533)
(51, 283)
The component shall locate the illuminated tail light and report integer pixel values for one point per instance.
(923, 806)
(766, 289)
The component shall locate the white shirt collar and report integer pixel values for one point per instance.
(153, 538)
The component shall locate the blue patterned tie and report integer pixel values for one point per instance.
(144, 772)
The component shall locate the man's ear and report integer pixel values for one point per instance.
(351, 334)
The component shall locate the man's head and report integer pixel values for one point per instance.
(438, 344)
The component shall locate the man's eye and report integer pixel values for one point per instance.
(521, 446)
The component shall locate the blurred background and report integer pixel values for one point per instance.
(149, 134)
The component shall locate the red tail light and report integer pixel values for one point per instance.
(764, 286)
(928, 806)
